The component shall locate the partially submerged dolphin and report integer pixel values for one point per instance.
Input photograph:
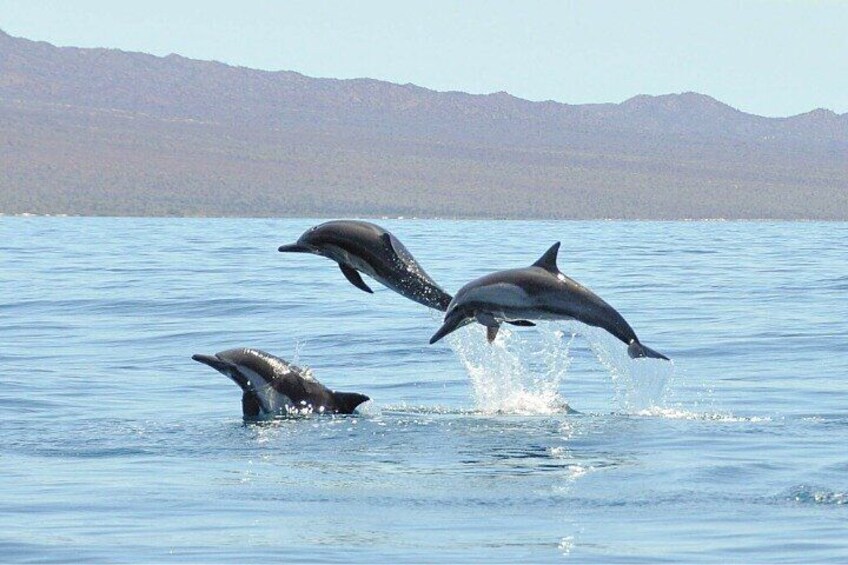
(272, 387)
(359, 246)
(538, 292)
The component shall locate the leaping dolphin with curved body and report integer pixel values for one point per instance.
(538, 292)
(359, 246)
(272, 387)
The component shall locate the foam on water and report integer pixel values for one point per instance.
(812, 494)
(683, 414)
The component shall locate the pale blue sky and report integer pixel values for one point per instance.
(773, 58)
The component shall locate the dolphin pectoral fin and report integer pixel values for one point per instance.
(636, 350)
(355, 279)
(492, 333)
(250, 407)
(492, 324)
(548, 261)
(522, 323)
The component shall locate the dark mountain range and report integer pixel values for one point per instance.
(102, 131)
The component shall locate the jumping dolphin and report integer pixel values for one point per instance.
(364, 247)
(538, 292)
(273, 387)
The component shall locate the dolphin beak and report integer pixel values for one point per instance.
(294, 248)
(205, 359)
(452, 323)
(226, 368)
(210, 360)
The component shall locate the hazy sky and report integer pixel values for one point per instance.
(773, 58)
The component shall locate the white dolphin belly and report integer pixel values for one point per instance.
(272, 402)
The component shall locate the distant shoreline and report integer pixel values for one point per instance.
(103, 132)
(415, 219)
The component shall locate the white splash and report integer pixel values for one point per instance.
(304, 370)
(640, 384)
(521, 372)
(566, 544)
(511, 375)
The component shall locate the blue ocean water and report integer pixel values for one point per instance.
(115, 446)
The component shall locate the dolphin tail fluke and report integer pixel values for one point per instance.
(636, 350)
(348, 401)
(434, 298)
(443, 301)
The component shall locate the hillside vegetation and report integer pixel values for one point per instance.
(105, 132)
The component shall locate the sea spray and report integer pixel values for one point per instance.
(519, 373)
(639, 384)
(648, 387)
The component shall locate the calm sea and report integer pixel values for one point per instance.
(115, 446)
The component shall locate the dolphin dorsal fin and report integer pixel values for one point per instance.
(548, 260)
(395, 246)
(386, 238)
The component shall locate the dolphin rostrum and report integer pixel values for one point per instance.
(538, 292)
(359, 246)
(272, 387)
